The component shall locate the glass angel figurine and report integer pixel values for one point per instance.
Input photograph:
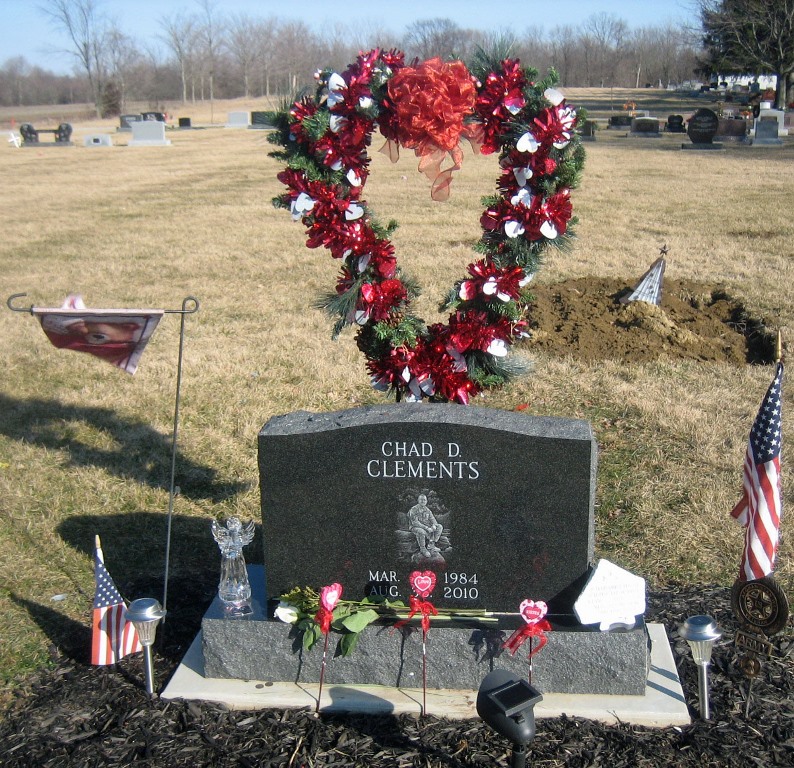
(234, 588)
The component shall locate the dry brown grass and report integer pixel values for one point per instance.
(84, 447)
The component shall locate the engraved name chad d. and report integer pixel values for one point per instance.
(421, 460)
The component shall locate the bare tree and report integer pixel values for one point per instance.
(298, 54)
(14, 76)
(436, 37)
(122, 55)
(266, 44)
(81, 22)
(566, 53)
(179, 34)
(211, 36)
(242, 43)
(604, 41)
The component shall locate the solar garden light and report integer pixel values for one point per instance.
(701, 632)
(145, 614)
(506, 703)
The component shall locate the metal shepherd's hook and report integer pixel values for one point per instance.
(189, 305)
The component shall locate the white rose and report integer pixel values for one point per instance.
(286, 613)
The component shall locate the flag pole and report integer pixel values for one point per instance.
(779, 346)
(189, 306)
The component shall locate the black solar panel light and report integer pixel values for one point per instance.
(506, 703)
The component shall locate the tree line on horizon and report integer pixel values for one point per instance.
(209, 55)
(203, 54)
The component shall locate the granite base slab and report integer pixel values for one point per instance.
(662, 704)
(575, 662)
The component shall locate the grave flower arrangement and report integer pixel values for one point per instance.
(431, 107)
(306, 608)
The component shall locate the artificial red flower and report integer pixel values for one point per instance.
(499, 100)
(492, 281)
(379, 300)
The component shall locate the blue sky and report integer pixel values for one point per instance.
(26, 31)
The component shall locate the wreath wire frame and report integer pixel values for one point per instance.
(500, 108)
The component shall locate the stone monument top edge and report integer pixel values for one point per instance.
(429, 413)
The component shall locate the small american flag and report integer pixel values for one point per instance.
(761, 507)
(113, 637)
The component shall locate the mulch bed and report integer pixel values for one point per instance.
(78, 715)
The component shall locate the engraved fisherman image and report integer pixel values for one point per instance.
(423, 534)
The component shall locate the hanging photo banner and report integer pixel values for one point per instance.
(116, 335)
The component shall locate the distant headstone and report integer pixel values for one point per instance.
(702, 129)
(703, 126)
(589, 130)
(498, 504)
(261, 120)
(620, 121)
(645, 126)
(766, 133)
(731, 128)
(184, 122)
(238, 120)
(148, 133)
(675, 124)
(779, 115)
(126, 122)
(98, 140)
(31, 136)
(155, 116)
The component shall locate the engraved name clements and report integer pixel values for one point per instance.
(412, 460)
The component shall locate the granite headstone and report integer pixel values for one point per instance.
(701, 130)
(148, 133)
(126, 121)
(645, 126)
(238, 120)
(675, 124)
(766, 133)
(589, 130)
(498, 504)
(261, 120)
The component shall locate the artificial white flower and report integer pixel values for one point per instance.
(286, 612)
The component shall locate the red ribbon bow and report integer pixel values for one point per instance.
(425, 607)
(324, 617)
(537, 629)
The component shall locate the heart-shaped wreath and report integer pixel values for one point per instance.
(428, 107)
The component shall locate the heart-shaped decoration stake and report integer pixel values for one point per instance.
(422, 582)
(329, 596)
(429, 107)
(533, 611)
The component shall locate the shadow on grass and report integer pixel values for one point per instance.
(70, 637)
(133, 546)
(139, 452)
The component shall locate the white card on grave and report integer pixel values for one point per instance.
(612, 596)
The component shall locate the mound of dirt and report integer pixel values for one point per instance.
(584, 318)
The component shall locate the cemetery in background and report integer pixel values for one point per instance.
(85, 450)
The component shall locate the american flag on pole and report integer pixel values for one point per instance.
(761, 506)
(113, 637)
